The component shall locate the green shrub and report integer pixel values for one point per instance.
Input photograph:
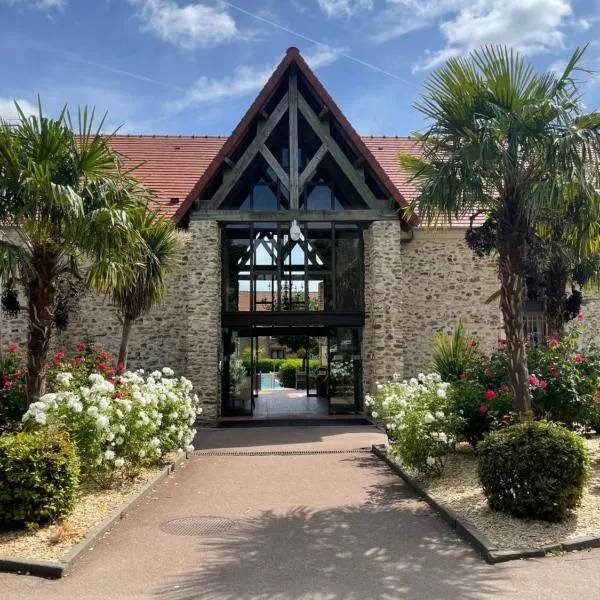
(39, 478)
(288, 368)
(533, 470)
(454, 354)
(479, 409)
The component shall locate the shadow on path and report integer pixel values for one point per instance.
(365, 552)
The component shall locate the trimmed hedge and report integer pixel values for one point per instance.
(288, 368)
(533, 470)
(39, 478)
(264, 365)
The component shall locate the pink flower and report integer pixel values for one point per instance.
(579, 358)
(118, 395)
(13, 347)
(597, 396)
(120, 367)
(483, 409)
(59, 356)
(112, 371)
(504, 418)
(554, 342)
(81, 346)
(101, 366)
(580, 316)
(17, 374)
(502, 341)
(488, 373)
(533, 380)
(75, 361)
(105, 356)
(543, 384)
(505, 388)
(489, 395)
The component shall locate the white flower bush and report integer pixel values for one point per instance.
(120, 424)
(420, 422)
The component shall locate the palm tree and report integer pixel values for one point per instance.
(147, 286)
(62, 199)
(505, 140)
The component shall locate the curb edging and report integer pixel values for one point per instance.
(474, 536)
(56, 569)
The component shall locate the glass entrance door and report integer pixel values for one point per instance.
(239, 374)
(345, 370)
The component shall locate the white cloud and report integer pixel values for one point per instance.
(191, 26)
(245, 80)
(8, 110)
(344, 8)
(36, 4)
(531, 26)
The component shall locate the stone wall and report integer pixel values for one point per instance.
(443, 281)
(384, 335)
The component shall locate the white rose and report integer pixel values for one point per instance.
(119, 463)
(441, 393)
(430, 461)
(109, 455)
(119, 441)
(41, 418)
(375, 414)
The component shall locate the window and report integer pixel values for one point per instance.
(278, 353)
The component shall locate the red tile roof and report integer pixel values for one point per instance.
(171, 165)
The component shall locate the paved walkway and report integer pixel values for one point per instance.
(329, 526)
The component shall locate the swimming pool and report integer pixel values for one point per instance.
(269, 381)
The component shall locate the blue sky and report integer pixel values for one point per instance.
(194, 66)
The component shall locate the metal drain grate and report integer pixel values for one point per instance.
(277, 452)
(200, 526)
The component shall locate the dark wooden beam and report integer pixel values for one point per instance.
(293, 112)
(359, 162)
(323, 113)
(263, 114)
(311, 167)
(322, 130)
(238, 216)
(229, 162)
(251, 151)
(274, 164)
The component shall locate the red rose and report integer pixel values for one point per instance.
(111, 371)
(489, 395)
(533, 380)
(579, 358)
(59, 356)
(483, 409)
(505, 388)
(597, 396)
(504, 418)
(81, 346)
(7, 384)
(502, 341)
(17, 374)
(120, 367)
(118, 395)
(75, 361)
(554, 342)
(13, 348)
(488, 373)
(101, 366)
(463, 376)
(105, 356)
(543, 384)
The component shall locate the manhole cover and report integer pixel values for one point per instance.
(207, 526)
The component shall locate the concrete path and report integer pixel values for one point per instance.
(330, 526)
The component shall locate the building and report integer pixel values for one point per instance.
(294, 228)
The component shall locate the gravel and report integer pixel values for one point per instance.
(93, 506)
(459, 488)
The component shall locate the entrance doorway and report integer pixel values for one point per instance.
(271, 372)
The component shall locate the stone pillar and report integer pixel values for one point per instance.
(202, 275)
(383, 350)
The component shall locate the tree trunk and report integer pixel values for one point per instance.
(556, 297)
(512, 293)
(42, 294)
(125, 334)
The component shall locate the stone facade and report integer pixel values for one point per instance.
(444, 281)
(383, 335)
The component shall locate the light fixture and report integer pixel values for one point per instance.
(295, 231)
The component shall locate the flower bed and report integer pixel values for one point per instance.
(459, 488)
(94, 504)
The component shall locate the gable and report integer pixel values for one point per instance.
(293, 97)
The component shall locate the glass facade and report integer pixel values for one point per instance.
(266, 270)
